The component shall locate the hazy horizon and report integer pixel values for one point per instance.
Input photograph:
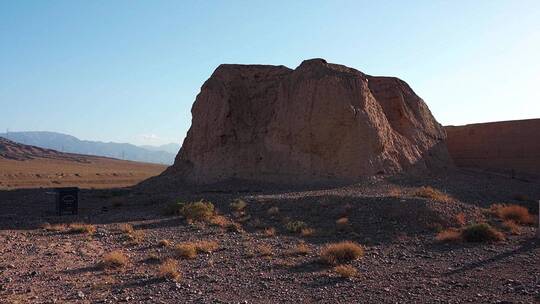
(128, 71)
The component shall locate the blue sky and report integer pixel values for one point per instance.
(129, 71)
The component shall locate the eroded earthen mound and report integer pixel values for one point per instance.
(319, 122)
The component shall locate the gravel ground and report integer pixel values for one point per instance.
(402, 263)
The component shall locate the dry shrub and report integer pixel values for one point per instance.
(301, 249)
(460, 219)
(449, 235)
(186, 250)
(82, 228)
(296, 226)
(169, 270)
(342, 252)
(433, 194)
(53, 227)
(234, 227)
(264, 250)
(126, 228)
(307, 232)
(270, 231)
(153, 258)
(346, 271)
(395, 192)
(512, 227)
(238, 205)
(115, 259)
(198, 211)
(165, 243)
(136, 236)
(481, 233)
(219, 220)
(206, 246)
(273, 211)
(516, 213)
(342, 223)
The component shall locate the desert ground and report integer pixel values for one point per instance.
(270, 245)
(88, 172)
(26, 166)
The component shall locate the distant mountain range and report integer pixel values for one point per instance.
(164, 154)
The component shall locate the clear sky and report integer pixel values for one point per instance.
(129, 71)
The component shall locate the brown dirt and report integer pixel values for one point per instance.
(403, 262)
(24, 166)
(96, 173)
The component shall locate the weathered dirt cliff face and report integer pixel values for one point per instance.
(504, 146)
(319, 122)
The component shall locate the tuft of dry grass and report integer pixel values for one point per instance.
(53, 227)
(136, 236)
(481, 233)
(169, 270)
(516, 213)
(449, 235)
(206, 246)
(189, 250)
(270, 232)
(238, 205)
(164, 243)
(219, 220)
(82, 228)
(342, 223)
(153, 258)
(342, 252)
(126, 228)
(186, 250)
(346, 271)
(301, 249)
(264, 250)
(198, 211)
(460, 219)
(395, 192)
(115, 259)
(273, 211)
(307, 232)
(433, 194)
(511, 227)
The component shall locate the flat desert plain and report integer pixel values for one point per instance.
(85, 172)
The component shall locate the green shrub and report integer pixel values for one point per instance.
(238, 205)
(173, 209)
(481, 233)
(198, 211)
(296, 226)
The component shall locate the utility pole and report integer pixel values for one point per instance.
(7, 133)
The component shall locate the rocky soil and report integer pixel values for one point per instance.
(403, 263)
